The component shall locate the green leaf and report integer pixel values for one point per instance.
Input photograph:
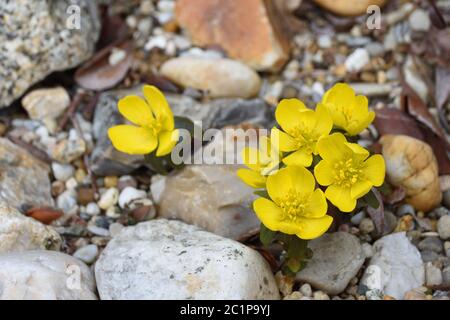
(371, 200)
(385, 189)
(294, 264)
(157, 164)
(266, 235)
(297, 247)
(262, 193)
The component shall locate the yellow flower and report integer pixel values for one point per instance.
(154, 124)
(347, 170)
(261, 163)
(349, 112)
(302, 128)
(296, 206)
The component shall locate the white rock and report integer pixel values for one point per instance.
(72, 183)
(129, 194)
(306, 290)
(92, 209)
(219, 77)
(419, 20)
(163, 259)
(324, 41)
(44, 275)
(443, 227)
(108, 198)
(396, 266)
(87, 253)
(62, 172)
(20, 233)
(44, 104)
(115, 228)
(357, 60)
(433, 275)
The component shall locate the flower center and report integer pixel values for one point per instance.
(293, 205)
(347, 172)
(303, 138)
(155, 127)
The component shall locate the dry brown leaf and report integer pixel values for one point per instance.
(98, 74)
(46, 215)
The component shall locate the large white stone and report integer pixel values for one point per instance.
(164, 259)
(44, 275)
(20, 233)
(396, 267)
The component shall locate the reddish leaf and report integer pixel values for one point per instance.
(114, 29)
(436, 16)
(377, 215)
(442, 93)
(397, 195)
(161, 82)
(98, 74)
(46, 215)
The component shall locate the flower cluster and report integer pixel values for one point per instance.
(308, 160)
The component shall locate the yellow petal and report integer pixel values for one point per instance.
(288, 113)
(360, 189)
(316, 206)
(252, 178)
(324, 172)
(314, 228)
(279, 184)
(299, 158)
(159, 106)
(375, 169)
(358, 151)
(136, 110)
(341, 198)
(341, 95)
(325, 122)
(166, 141)
(355, 128)
(132, 139)
(268, 213)
(333, 147)
(301, 179)
(283, 141)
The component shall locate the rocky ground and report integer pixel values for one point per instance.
(67, 198)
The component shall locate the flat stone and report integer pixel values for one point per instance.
(220, 78)
(396, 266)
(337, 258)
(163, 259)
(44, 275)
(20, 233)
(431, 243)
(34, 45)
(250, 31)
(443, 227)
(24, 180)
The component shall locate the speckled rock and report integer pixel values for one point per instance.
(38, 37)
(163, 259)
(24, 180)
(396, 266)
(105, 160)
(44, 275)
(337, 258)
(20, 233)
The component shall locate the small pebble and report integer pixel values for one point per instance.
(432, 244)
(128, 194)
(366, 226)
(115, 228)
(433, 275)
(62, 172)
(98, 231)
(320, 295)
(405, 209)
(111, 181)
(66, 201)
(92, 209)
(368, 250)
(108, 198)
(71, 183)
(443, 227)
(87, 254)
(306, 290)
(419, 20)
(357, 60)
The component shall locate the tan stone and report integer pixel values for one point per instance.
(411, 164)
(250, 31)
(349, 7)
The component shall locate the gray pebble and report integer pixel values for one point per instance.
(432, 244)
(87, 253)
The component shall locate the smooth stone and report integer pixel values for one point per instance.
(105, 160)
(87, 254)
(92, 209)
(44, 275)
(446, 276)
(356, 61)
(24, 180)
(419, 20)
(62, 172)
(48, 103)
(20, 233)
(220, 78)
(429, 256)
(163, 259)
(34, 45)
(443, 227)
(337, 258)
(433, 275)
(395, 268)
(98, 231)
(432, 244)
(129, 194)
(109, 198)
(67, 201)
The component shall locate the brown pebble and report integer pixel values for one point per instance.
(58, 187)
(86, 195)
(143, 213)
(111, 181)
